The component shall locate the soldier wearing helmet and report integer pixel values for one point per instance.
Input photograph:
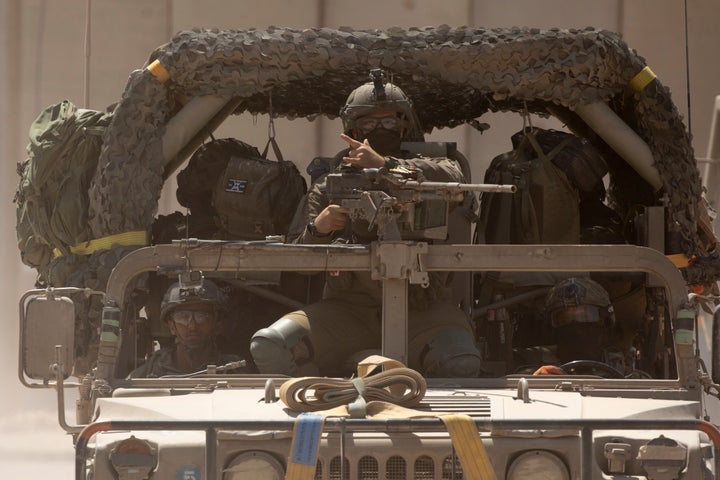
(377, 98)
(581, 315)
(191, 314)
(322, 336)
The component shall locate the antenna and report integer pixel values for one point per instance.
(687, 70)
(86, 81)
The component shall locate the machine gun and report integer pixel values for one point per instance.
(399, 202)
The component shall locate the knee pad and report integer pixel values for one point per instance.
(281, 347)
(451, 353)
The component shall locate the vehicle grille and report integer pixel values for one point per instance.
(440, 463)
(422, 467)
(469, 405)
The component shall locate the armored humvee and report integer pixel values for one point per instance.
(93, 320)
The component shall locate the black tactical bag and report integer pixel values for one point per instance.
(551, 170)
(248, 195)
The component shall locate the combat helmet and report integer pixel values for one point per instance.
(578, 300)
(181, 293)
(376, 95)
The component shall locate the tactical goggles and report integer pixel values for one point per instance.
(575, 314)
(183, 317)
(368, 124)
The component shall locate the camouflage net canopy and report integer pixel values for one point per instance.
(453, 76)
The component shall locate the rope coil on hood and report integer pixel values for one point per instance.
(398, 384)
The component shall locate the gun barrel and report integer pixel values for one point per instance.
(460, 187)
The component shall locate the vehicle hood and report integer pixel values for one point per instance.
(248, 405)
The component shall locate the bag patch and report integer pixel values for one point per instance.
(236, 186)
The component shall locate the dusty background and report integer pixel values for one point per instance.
(43, 59)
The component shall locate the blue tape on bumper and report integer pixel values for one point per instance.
(307, 437)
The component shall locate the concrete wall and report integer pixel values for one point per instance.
(43, 60)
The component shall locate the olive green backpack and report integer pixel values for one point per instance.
(52, 196)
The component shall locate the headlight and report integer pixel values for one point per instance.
(537, 465)
(133, 458)
(663, 457)
(255, 465)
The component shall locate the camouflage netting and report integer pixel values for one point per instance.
(453, 75)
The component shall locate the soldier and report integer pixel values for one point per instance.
(321, 337)
(191, 314)
(583, 323)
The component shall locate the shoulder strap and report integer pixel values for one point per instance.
(271, 141)
(276, 150)
(538, 149)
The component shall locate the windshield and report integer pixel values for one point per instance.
(467, 324)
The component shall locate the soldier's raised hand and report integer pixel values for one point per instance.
(361, 154)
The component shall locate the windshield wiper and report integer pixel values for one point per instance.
(211, 370)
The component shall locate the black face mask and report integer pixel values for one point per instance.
(384, 141)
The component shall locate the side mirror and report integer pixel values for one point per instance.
(46, 321)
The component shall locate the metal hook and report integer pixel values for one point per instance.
(271, 124)
(527, 120)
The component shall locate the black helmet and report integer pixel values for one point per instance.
(178, 294)
(575, 299)
(379, 95)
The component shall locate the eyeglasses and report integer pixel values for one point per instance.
(368, 124)
(183, 317)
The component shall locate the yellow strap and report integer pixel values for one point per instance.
(463, 434)
(642, 79)
(469, 447)
(126, 239)
(680, 260)
(305, 442)
(159, 71)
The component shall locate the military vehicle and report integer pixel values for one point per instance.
(640, 414)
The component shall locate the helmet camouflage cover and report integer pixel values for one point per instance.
(578, 291)
(380, 95)
(178, 294)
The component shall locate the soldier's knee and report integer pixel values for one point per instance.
(281, 348)
(452, 353)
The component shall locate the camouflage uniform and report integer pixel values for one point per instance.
(348, 318)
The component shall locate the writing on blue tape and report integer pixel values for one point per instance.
(188, 472)
(307, 438)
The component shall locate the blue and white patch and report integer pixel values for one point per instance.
(236, 186)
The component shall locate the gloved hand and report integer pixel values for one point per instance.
(549, 370)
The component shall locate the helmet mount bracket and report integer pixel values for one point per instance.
(378, 79)
(190, 283)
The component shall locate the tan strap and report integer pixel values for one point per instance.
(401, 386)
(388, 392)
